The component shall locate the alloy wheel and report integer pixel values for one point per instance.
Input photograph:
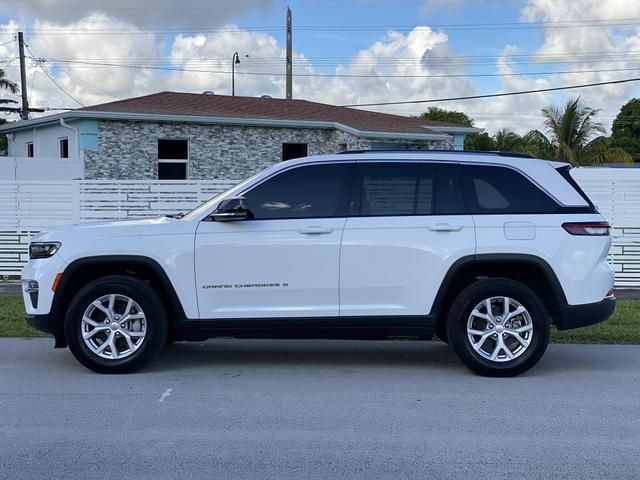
(113, 326)
(500, 329)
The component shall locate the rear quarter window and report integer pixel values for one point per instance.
(501, 190)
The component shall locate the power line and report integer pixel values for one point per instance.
(626, 22)
(7, 43)
(91, 85)
(53, 79)
(459, 61)
(536, 56)
(338, 75)
(493, 95)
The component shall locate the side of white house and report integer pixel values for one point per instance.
(62, 139)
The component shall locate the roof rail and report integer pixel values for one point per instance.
(453, 152)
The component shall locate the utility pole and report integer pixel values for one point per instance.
(289, 56)
(24, 112)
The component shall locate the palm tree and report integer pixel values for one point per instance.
(507, 141)
(6, 84)
(570, 131)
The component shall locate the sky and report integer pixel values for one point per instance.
(86, 52)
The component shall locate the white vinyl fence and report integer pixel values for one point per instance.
(27, 207)
(41, 168)
(616, 193)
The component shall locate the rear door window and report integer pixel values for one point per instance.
(399, 189)
(392, 189)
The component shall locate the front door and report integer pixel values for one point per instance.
(283, 262)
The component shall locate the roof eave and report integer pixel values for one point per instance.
(268, 122)
(453, 129)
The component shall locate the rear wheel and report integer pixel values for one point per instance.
(116, 324)
(498, 327)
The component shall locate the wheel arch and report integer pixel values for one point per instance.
(532, 271)
(81, 271)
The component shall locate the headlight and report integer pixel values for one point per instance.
(43, 250)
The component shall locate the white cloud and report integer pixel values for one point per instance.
(209, 54)
(156, 14)
(575, 44)
(388, 69)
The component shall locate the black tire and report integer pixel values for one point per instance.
(150, 303)
(462, 308)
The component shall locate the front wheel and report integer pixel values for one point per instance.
(498, 327)
(116, 324)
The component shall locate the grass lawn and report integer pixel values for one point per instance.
(623, 327)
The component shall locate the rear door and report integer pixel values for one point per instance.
(404, 231)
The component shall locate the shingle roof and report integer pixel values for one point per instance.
(223, 106)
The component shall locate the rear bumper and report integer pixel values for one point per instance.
(576, 316)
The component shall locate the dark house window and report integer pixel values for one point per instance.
(64, 147)
(173, 158)
(294, 150)
(172, 171)
(29, 146)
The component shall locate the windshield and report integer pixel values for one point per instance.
(208, 205)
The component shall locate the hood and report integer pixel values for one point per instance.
(118, 228)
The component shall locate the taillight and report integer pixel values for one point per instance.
(596, 229)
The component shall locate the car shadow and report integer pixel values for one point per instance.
(423, 355)
(308, 353)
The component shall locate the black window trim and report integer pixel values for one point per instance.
(457, 164)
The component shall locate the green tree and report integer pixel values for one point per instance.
(6, 84)
(479, 142)
(603, 150)
(507, 141)
(536, 144)
(570, 129)
(625, 131)
(447, 116)
(4, 145)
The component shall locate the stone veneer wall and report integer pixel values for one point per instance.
(128, 150)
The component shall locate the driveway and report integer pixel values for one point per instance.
(318, 409)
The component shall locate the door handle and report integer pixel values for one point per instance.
(445, 227)
(315, 230)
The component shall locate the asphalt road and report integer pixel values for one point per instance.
(318, 409)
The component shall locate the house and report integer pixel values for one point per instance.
(172, 135)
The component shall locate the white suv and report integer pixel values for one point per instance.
(483, 250)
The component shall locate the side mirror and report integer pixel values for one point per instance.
(234, 208)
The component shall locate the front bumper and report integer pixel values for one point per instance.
(43, 271)
(47, 323)
(576, 316)
(44, 323)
